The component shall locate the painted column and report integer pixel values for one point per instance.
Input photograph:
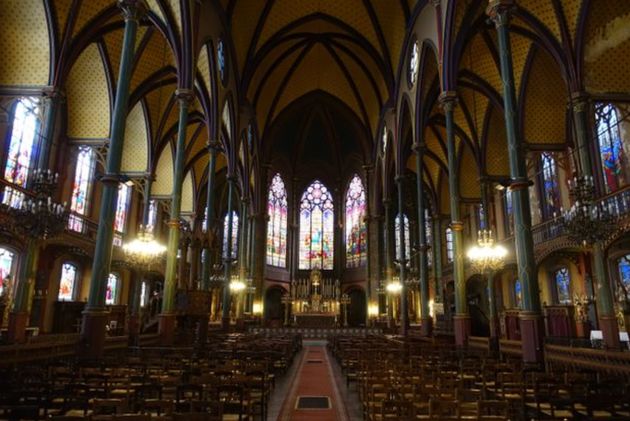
(195, 253)
(213, 149)
(227, 259)
(242, 259)
(426, 321)
(368, 170)
(437, 258)
(604, 294)
(493, 319)
(388, 257)
(95, 314)
(168, 317)
(18, 317)
(402, 260)
(530, 317)
(461, 318)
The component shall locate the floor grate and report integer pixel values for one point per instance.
(313, 402)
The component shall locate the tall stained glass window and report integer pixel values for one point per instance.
(221, 60)
(428, 230)
(414, 63)
(143, 294)
(122, 209)
(562, 281)
(610, 146)
(316, 227)
(20, 152)
(152, 217)
(356, 229)
(624, 273)
(397, 236)
(549, 185)
(449, 244)
(277, 223)
(113, 284)
(6, 264)
(67, 282)
(81, 187)
(508, 213)
(204, 223)
(226, 221)
(518, 294)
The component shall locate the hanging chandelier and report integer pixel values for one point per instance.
(39, 217)
(144, 250)
(486, 255)
(587, 222)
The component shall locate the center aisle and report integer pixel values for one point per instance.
(314, 378)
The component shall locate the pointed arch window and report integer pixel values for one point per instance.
(143, 294)
(316, 227)
(508, 209)
(562, 281)
(21, 146)
(68, 282)
(449, 244)
(428, 230)
(79, 203)
(152, 216)
(6, 267)
(277, 223)
(549, 185)
(113, 285)
(122, 209)
(356, 229)
(226, 225)
(610, 146)
(623, 266)
(518, 294)
(397, 229)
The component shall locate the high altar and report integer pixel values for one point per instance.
(316, 301)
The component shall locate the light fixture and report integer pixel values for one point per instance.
(144, 250)
(373, 310)
(257, 308)
(486, 255)
(236, 285)
(394, 287)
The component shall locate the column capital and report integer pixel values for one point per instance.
(231, 178)
(419, 147)
(399, 178)
(579, 101)
(436, 3)
(499, 11)
(213, 145)
(132, 9)
(520, 184)
(448, 100)
(54, 94)
(457, 225)
(185, 96)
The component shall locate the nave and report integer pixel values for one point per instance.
(281, 376)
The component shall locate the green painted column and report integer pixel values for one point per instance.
(167, 316)
(95, 315)
(604, 294)
(19, 314)
(387, 244)
(426, 326)
(437, 257)
(242, 253)
(213, 149)
(530, 316)
(227, 258)
(448, 101)
(402, 260)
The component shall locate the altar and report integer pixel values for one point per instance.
(315, 320)
(315, 302)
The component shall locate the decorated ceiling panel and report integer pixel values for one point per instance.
(88, 10)
(163, 184)
(135, 149)
(24, 43)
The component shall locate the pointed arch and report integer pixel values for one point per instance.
(355, 227)
(277, 211)
(317, 227)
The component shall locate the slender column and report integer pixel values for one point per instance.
(426, 324)
(227, 259)
(167, 317)
(368, 170)
(580, 108)
(530, 318)
(461, 318)
(95, 315)
(437, 258)
(213, 149)
(387, 234)
(195, 252)
(402, 261)
(18, 317)
(242, 251)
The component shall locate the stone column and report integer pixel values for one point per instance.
(368, 171)
(530, 318)
(426, 321)
(18, 317)
(461, 318)
(213, 149)
(402, 260)
(168, 316)
(227, 259)
(95, 314)
(437, 257)
(195, 252)
(387, 234)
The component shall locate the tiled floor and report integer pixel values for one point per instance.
(299, 381)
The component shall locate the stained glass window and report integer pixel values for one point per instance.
(551, 194)
(143, 294)
(316, 227)
(234, 234)
(6, 264)
(414, 62)
(397, 237)
(204, 223)
(509, 213)
(428, 231)
(624, 273)
(122, 208)
(152, 216)
(20, 153)
(68, 282)
(356, 229)
(384, 141)
(562, 280)
(81, 187)
(221, 60)
(518, 294)
(277, 223)
(111, 294)
(449, 244)
(610, 146)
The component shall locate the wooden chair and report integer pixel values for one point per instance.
(493, 410)
(443, 409)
